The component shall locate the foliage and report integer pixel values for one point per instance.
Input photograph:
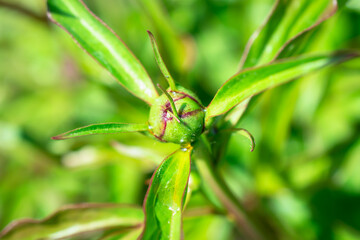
(305, 130)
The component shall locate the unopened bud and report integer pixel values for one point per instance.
(185, 128)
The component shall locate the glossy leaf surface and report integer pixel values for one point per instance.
(164, 198)
(286, 30)
(74, 220)
(253, 81)
(102, 128)
(103, 45)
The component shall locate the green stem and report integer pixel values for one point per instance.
(172, 104)
(230, 202)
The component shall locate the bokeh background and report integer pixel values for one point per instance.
(304, 172)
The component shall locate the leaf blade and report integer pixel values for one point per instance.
(164, 198)
(160, 63)
(101, 42)
(253, 81)
(286, 32)
(287, 27)
(74, 220)
(102, 128)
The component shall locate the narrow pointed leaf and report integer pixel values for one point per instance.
(286, 30)
(164, 198)
(102, 128)
(253, 81)
(160, 63)
(74, 220)
(103, 45)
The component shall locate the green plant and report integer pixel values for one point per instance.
(167, 192)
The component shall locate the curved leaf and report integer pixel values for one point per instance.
(253, 81)
(103, 45)
(74, 220)
(245, 133)
(286, 30)
(164, 198)
(102, 128)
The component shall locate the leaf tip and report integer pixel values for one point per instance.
(246, 134)
(150, 35)
(58, 137)
(252, 147)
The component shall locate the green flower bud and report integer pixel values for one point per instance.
(164, 124)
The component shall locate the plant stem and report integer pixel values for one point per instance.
(218, 185)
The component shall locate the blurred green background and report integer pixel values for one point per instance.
(304, 173)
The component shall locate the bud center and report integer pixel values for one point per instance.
(185, 128)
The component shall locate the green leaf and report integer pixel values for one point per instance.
(103, 45)
(102, 128)
(74, 220)
(253, 81)
(160, 63)
(164, 198)
(286, 30)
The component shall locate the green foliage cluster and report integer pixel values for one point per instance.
(301, 182)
